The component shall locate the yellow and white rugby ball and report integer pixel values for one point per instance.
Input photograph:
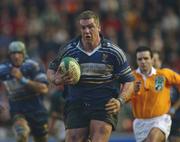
(69, 64)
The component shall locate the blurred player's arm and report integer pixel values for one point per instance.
(37, 86)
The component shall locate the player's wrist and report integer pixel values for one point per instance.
(24, 80)
(121, 101)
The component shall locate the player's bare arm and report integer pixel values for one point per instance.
(114, 105)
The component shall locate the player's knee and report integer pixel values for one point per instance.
(21, 130)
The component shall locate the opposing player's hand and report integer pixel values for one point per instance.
(113, 106)
(15, 72)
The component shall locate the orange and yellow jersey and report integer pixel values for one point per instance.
(151, 96)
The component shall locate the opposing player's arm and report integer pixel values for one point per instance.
(125, 95)
(39, 87)
(35, 85)
(114, 105)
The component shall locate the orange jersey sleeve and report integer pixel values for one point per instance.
(151, 95)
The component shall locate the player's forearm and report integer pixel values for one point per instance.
(51, 75)
(126, 92)
(38, 86)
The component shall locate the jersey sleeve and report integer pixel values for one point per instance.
(172, 77)
(122, 68)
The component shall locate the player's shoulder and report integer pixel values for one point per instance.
(5, 64)
(166, 72)
(5, 68)
(31, 63)
(111, 46)
(71, 44)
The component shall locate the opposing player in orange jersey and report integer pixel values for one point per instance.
(151, 98)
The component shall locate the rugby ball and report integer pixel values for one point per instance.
(69, 64)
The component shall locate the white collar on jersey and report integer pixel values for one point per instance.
(153, 71)
(88, 53)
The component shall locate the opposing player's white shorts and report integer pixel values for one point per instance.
(142, 127)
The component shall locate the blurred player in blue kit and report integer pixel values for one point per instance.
(26, 83)
(102, 64)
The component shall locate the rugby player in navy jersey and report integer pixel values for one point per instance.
(26, 84)
(103, 64)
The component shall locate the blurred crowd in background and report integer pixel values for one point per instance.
(45, 25)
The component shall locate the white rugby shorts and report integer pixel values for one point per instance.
(142, 127)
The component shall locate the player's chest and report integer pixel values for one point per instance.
(151, 84)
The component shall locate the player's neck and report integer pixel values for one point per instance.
(146, 73)
(90, 46)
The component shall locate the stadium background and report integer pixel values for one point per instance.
(44, 25)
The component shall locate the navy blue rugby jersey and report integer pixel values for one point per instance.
(17, 92)
(100, 70)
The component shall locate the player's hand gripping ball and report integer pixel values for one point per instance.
(69, 64)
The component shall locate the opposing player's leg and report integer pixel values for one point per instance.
(77, 135)
(76, 122)
(155, 129)
(100, 131)
(38, 122)
(76, 127)
(21, 129)
(156, 135)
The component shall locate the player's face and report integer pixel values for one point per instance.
(144, 61)
(17, 58)
(90, 31)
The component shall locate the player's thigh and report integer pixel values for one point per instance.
(75, 116)
(156, 135)
(38, 122)
(77, 135)
(100, 131)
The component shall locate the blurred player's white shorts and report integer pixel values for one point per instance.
(142, 127)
